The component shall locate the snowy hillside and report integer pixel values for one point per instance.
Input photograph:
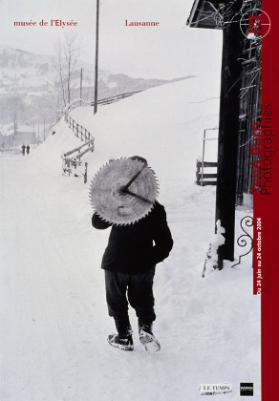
(30, 86)
(53, 312)
(22, 71)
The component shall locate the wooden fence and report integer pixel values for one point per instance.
(115, 98)
(72, 159)
(79, 130)
(106, 100)
(71, 163)
(81, 150)
(203, 178)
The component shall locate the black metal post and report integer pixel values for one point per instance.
(228, 135)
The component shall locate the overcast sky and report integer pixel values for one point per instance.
(170, 50)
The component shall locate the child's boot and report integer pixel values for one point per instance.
(147, 338)
(123, 340)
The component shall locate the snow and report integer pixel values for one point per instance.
(218, 239)
(53, 312)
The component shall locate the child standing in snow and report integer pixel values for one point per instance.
(129, 262)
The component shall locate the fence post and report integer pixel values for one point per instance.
(198, 173)
(85, 135)
(77, 128)
(85, 173)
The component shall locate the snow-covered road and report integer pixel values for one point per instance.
(53, 314)
(50, 295)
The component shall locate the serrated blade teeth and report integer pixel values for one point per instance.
(115, 206)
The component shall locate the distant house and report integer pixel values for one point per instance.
(18, 139)
(24, 137)
(6, 141)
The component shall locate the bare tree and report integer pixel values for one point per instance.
(61, 75)
(67, 60)
(71, 56)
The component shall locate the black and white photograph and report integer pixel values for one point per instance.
(128, 163)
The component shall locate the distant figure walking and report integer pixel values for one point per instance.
(23, 149)
(28, 149)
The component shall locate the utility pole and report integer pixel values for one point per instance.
(80, 86)
(44, 129)
(15, 123)
(96, 56)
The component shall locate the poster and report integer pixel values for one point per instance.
(175, 81)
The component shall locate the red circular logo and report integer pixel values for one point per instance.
(255, 25)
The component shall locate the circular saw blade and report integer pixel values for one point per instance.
(115, 206)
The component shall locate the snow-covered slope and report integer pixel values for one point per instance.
(54, 320)
(164, 124)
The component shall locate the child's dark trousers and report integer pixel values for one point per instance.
(134, 289)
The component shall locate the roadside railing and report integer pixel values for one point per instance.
(71, 160)
(79, 130)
